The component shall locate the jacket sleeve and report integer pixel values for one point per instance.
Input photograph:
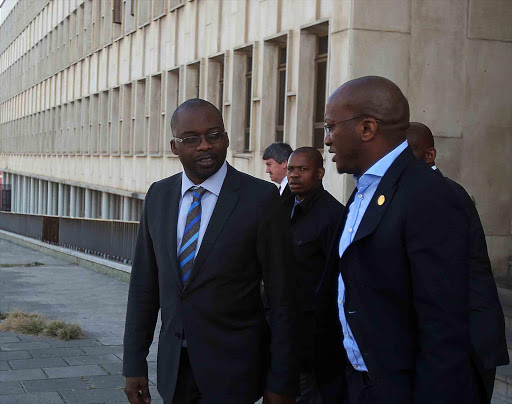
(275, 254)
(437, 248)
(143, 301)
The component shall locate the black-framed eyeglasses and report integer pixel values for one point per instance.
(328, 129)
(194, 141)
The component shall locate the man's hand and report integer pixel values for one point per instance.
(273, 398)
(137, 390)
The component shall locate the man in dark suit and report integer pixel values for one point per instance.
(206, 239)
(486, 320)
(399, 265)
(312, 210)
(276, 161)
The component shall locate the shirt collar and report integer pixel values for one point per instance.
(212, 184)
(434, 167)
(283, 184)
(378, 170)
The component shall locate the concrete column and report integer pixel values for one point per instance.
(49, 209)
(79, 198)
(135, 210)
(127, 206)
(55, 198)
(105, 205)
(40, 197)
(66, 200)
(32, 208)
(12, 179)
(72, 201)
(23, 199)
(60, 210)
(45, 197)
(88, 203)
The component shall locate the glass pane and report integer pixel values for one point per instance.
(282, 55)
(279, 135)
(249, 64)
(323, 44)
(321, 79)
(318, 141)
(281, 95)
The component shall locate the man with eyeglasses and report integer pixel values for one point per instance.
(202, 250)
(395, 290)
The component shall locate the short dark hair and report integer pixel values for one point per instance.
(193, 102)
(313, 154)
(280, 152)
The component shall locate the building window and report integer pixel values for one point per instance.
(172, 95)
(248, 104)
(281, 93)
(320, 90)
(127, 120)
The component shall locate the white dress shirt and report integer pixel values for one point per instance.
(212, 186)
(283, 185)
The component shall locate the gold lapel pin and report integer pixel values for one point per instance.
(381, 200)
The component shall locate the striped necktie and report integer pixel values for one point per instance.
(187, 251)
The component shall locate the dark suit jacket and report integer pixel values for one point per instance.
(286, 193)
(486, 320)
(314, 225)
(233, 353)
(406, 282)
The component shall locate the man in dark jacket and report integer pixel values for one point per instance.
(486, 321)
(314, 215)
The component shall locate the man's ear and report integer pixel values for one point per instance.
(173, 147)
(321, 173)
(368, 129)
(430, 155)
(284, 164)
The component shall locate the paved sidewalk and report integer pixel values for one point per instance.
(37, 370)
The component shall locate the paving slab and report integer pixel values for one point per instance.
(23, 346)
(92, 359)
(68, 383)
(74, 371)
(54, 352)
(14, 355)
(10, 388)
(37, 363)
(4, 365)
(32, 398)
(103, 350)
(23, 374)
(94, 396)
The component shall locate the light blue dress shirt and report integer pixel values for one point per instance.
(366, 186)
(213, 186)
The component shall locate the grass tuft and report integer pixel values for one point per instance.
(36, 324)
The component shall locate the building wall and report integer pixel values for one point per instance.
(87, 101)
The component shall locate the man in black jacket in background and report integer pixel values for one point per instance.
(314, 215)
(486, 321)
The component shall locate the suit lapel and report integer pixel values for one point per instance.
(383, 195)
(171, 223)
(227, 200)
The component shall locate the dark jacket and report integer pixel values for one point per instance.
(232, 350)
(486, 320)
(406, 296)
(314, 225)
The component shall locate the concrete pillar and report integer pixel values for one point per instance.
(79, 199)
(127, 206)
(40, 197)
(55, 198)
(32, 195)
(66, 201)
(23, 199)
(49, 209)
(60, 210)
(45, 197)
(72, 201)
(105, 205)
(12, 179)
(88, 203)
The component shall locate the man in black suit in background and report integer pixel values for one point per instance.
(312, 210)
(486, 320)
(207, 238)
(276, 161)
(399, 267)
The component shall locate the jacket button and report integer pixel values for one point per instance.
(177, 335)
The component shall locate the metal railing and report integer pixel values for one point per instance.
(5, 197)
(111, 239)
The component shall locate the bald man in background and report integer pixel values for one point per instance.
(486, 320)
(396, 281)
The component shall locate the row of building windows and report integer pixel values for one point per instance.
(134, 118)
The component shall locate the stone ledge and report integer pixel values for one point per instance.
(104, 266)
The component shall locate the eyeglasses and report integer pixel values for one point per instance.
(194, 141)
(328, 129)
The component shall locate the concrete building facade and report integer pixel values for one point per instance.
(87, 88)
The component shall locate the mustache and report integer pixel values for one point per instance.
(213, 156)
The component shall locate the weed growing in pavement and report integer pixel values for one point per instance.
(29, 265)
(37, 324)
